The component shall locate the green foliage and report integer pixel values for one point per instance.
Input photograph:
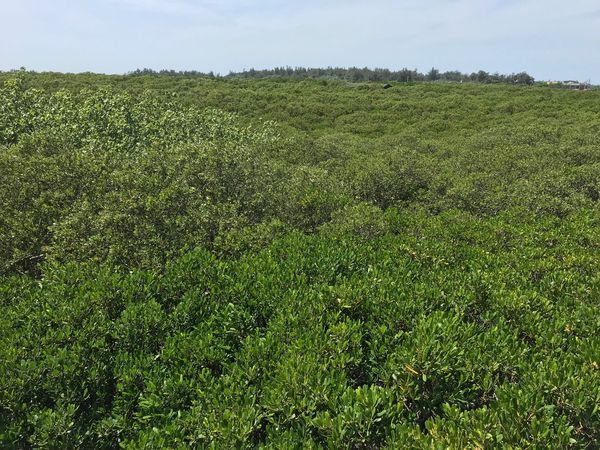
(126, 181)
(443, 335)
(362, 219)
(412, 267)
(310, 197)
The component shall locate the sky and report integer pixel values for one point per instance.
(550, 39)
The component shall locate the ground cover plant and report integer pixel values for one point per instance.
(191, 262)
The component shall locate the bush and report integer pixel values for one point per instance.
(175, 276)
(363, 219)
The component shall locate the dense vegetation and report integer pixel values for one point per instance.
(240, 263)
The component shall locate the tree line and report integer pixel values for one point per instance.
(356, 74)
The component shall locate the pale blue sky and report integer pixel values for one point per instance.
(551, 39)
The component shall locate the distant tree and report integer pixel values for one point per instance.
(523, 78)
(452, 76)
(433, 74)
(406, 75)
(483, 77)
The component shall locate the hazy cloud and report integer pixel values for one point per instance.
(550, 38)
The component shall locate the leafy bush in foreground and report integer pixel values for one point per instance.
(445, 335)
(103, 176)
